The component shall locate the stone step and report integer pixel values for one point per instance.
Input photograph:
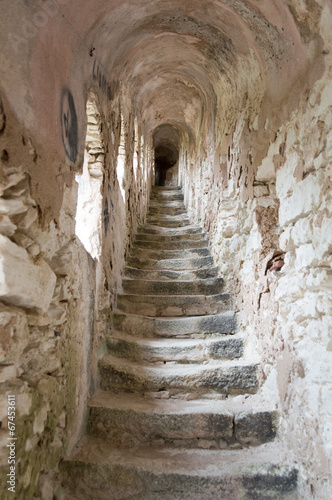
(167, 203)
(165, 350)
(123, 375)
(170, 237)
(151, 229)
(165, 188)
(171, 223)
(131, 272)
(173, 305)
(170, 264)
(163, 196)
(168, 217)
(98, 471)
(146, 253)
(170, 244)
(170, 210)
(209, 286)
(129, 420)
(145, 326)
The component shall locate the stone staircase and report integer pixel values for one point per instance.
(179, 414)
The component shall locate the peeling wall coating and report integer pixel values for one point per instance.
(243, 89)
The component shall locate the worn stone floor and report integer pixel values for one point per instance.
(180, 412)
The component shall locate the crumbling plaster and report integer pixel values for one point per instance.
(247, 85)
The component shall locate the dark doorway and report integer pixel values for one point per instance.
(166, 140)
(165, 159)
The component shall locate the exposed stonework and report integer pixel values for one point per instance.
(242, 90)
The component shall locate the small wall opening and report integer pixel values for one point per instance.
(166, 153)
(121, 161)
(89, 218)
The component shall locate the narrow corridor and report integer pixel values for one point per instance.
(177, 393)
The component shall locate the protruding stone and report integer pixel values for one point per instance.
(256, 427)
(23, 282)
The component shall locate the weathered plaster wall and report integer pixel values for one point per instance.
(55, 299)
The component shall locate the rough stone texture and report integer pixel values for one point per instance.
(23, 282)
(246, 87)
(167, 474)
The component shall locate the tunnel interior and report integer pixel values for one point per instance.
(228, 99)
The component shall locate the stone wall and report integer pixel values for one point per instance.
(270, 230)
(55, 298)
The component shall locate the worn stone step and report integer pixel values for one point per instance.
(152, 229)
(175, 223)
(168, 217)
(98, 471)
(189, 253)
(169, 210)
(166, 195)
(170, 244)
(131, 272)
(170, 237)
(170, 264)
(129, 420)
(165, 188)
(145, 326)
(167, 203)
(209, 286)
(123, 375)
(165, 350)
(173, 305)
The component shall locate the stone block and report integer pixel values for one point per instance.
(305, 257)
(12, 207)
(23, 282)
(302, 232)
(256, 427)
(261, 190)
(7, 227)
(304, 199)
(14, 333)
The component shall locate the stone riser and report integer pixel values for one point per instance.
(131, 272)
(151, 229)
(168, 305)
(209, 286)
(156, 236)
(172, 264)
(169, 245)
(143, 253)
(193, 351)
(116, 375)
(164, 209)
(177, 475)
(127, 428)
(144, 326)
(167, 217)
(168, 223)
(166, 197)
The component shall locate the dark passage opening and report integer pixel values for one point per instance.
(165, 159)
(166, 153)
